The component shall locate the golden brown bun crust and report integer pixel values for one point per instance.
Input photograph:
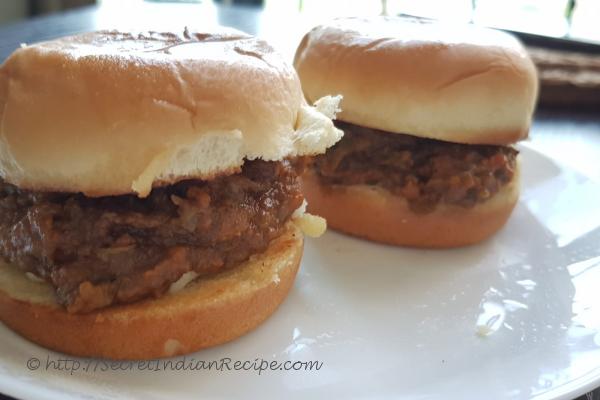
(109, 113)
(206, 313)
(457, 83)
(373, 213)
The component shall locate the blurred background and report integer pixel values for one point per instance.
(576, 19)
(563, 36)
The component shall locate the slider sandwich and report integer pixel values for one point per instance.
(150, 201)
(430, 112)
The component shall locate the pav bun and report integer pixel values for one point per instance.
(451, 82)
(376, 214)
(111, 113)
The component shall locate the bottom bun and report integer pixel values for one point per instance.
(207, 312)
(374, 213)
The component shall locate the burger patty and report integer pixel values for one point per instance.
(426, 172)
(120, 249)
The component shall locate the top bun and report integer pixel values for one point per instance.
(109, 113)
(457, 83)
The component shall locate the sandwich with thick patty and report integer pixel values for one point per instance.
(429, 113)
(150, 202)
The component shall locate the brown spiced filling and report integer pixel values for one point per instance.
(425, 172)
(120, 249)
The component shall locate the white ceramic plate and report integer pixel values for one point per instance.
(518, 316)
